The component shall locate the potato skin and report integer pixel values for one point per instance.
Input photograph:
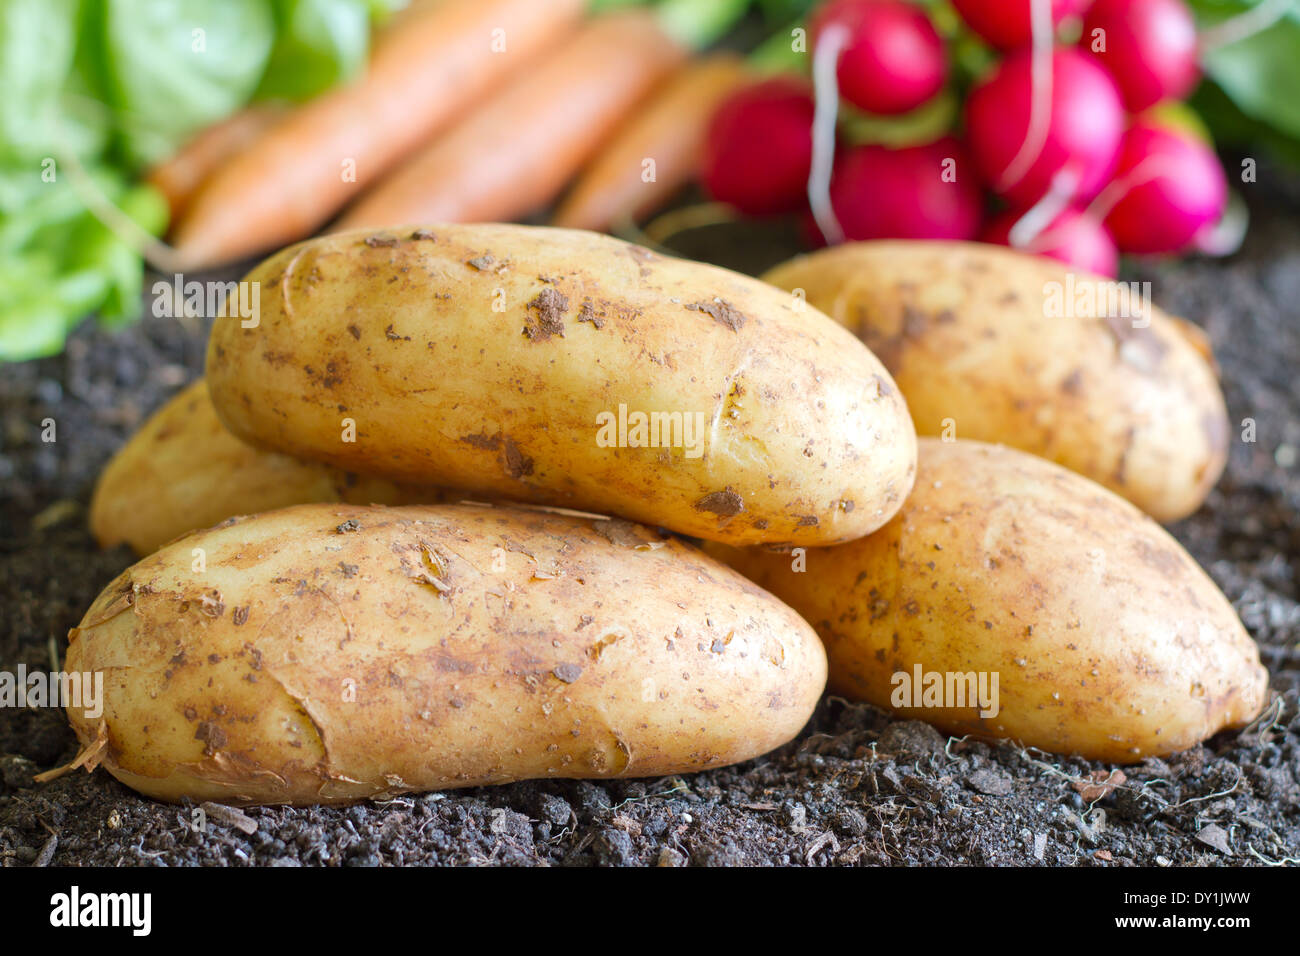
(806, 439)
(330, 653)
(965, 330)
(184, 470)
(1108, 639)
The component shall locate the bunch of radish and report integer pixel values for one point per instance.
(1076, 150)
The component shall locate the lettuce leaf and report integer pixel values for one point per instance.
(319, 43)
(113, 86)
(176, 67)
(58, 263)
(1259, 77)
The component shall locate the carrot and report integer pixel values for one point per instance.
(670, 131)
(431, 64)
(516, 153)
(178, 177)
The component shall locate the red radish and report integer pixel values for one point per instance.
(1074, 237)
(1168, 187)
(892, 60)
(1005, 23)
(759, 147)
(1149, 47)
(1081, 135)
(918, 192)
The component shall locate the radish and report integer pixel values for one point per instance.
(1152, 48)
(918, 192)
(891, 59)
(1077, 133)
(1005, 23)
(1168, 188)
(758, 150)
(886, 57)
(1074, 237)
(1149, 47)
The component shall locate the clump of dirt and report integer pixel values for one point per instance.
(549, 307)
(857, 787)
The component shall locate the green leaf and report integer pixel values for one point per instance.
(924, 124)
(697, 24)
(96, 250)
(37, 39)
(118, 262)
(783, 11)
(381, 10)
(319, 43)
(58, 263)
(38, 302)
(117, 84)
(176, 67)
(597, 7)
(1233, 128)
(1260, 73)
(777, 53)
(46, 212)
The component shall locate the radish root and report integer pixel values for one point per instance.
(1245, 24)
(1044, 212)
(1225, 237)
(826, 91)
(661, 229)
(1040, 102)
(160, 256)
(1151, 168)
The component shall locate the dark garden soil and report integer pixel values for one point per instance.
(855, 788)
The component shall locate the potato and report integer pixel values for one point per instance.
(506, 360)
(1000, 346)
(327, 653)
(183, 470)
(1106, 638)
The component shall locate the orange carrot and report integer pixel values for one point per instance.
(516, 153)
(670, 131)
(432, 63)
(178, 177)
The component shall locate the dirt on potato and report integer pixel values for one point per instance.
(856, 788)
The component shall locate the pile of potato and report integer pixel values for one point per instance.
(372, 637)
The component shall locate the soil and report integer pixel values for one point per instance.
(855, 788)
